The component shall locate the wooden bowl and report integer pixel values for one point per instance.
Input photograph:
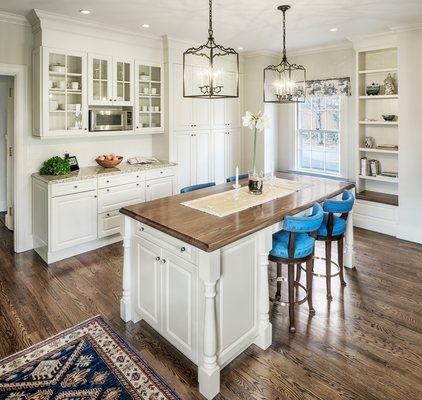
(109, 163)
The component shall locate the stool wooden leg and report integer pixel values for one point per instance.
(278, 292)
(328, 268)
(298, 272)
(291, 278)
(309, 277)
(341, 261)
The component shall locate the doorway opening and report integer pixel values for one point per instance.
(6, 150)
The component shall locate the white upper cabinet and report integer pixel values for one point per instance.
(100, 82)
(188, 113)
(149, 104)
(123, 82)
(60, 95)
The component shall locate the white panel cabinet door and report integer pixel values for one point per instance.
(218, 113)
(100, 81)
(233, 147)
(201, 146)
(232, 112)
(123, 78)
(147, 283)
(182, 107)
(183, 159)
(201, 108)
(219, 156)
(73, 220)
(113, 198)
(159, 188)
(180, 280)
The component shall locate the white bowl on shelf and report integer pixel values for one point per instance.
(144, 78)
(58, 68)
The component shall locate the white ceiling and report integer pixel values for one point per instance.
(252, 24)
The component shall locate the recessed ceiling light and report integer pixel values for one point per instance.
(86, 12)
(145, 25)
(333, 30)
(240, 48)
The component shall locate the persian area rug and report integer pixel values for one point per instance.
(86, 362)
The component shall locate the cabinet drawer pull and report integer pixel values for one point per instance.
(108, 190)
(141, 228)
(76, 186)
(137, 176)
(157, 258)
(95, 196)
(137, 184)
(147, 185)
(161, 172)
(182, 249)
(108, 214)
(163, 260)
(108, 181)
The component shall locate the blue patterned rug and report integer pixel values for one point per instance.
(86, 362)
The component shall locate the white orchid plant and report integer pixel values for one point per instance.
(255, 122)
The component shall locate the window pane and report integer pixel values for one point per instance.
(318, 136)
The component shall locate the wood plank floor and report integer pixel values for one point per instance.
(366, 344)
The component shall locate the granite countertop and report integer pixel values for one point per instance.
(95, 171)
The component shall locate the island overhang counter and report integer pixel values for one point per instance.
(200, 280)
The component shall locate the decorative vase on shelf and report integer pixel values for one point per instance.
(255, 123)
(389, 84)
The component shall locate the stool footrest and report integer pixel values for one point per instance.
(324, 275)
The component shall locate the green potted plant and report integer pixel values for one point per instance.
(55, 166)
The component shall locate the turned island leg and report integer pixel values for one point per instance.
(264, 338)
(126, 300)
(209, 370)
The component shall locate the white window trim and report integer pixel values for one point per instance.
(343, 129)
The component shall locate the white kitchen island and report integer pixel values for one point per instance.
(201, 281)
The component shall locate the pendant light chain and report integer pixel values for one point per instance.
(210, 32)
(284, 35)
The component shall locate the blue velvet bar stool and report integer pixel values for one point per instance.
(332, 230)
(196, 187)
(233, 178)
(294, 245)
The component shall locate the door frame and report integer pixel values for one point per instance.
(21, 124)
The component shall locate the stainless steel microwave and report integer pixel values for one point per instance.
(110, 120)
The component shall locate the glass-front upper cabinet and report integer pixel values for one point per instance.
(100, 91)
(149, 86)
(122, 82)
(65, 110)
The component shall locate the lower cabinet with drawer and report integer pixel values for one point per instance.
(73, 217)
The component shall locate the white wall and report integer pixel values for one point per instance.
(321, 65)
(4, 80)
(410, 135)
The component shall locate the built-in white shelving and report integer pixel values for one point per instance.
(373, 66)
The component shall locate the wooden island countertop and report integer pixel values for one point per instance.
(209, 233)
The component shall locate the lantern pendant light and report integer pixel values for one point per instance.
(285, 82)
(210, 71)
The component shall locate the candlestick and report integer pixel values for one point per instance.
(236, 185)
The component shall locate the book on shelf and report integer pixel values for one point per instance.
(364, 171)
(388, 147)
(369, 167)
(390, 174)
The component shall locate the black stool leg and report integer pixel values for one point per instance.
(278, 292)
(298, 272)
(340, 261)
(328, 268)
(309, 277)
(291, 278)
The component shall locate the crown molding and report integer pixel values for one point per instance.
(13, 18)
(405, 28)
(44, 19)
(260, 53)
(321, 49)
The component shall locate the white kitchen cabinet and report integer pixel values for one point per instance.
(226, 154)
(189, 113)
(158, 188)
(193, 157)
(226, 113)
(100, 81)
(179, 296)
(76, 216)
(59, 93)
(148, 280)
(73, 219)
(123, 82)
(149, 104)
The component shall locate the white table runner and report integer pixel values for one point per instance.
(232, 201)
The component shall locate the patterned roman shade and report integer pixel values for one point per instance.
(328, 87)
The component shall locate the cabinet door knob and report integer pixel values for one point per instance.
(182, 249)
(108, 181)
(137, 184)
(76, 186)
(163, 260)
(108, 214)
(95, 196)
(147, 185)
(137, 127)
(157, 258)
(141, 228)
(161, 172)
(137, 176)
(108, 190)
(111, 99)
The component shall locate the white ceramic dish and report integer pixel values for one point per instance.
(58, 68)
